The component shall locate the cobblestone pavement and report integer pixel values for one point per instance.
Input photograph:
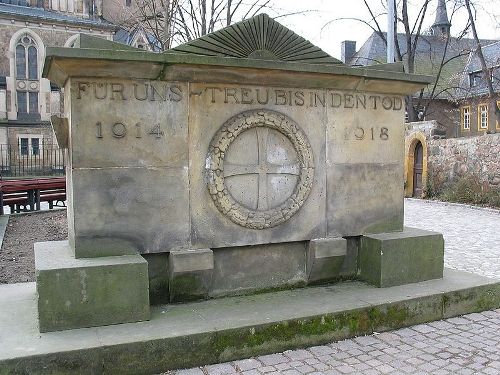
(471, 235)
(463, 345)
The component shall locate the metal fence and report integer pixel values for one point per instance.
(29, 160)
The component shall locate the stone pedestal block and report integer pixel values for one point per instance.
(325, 258)
(190, 274)
(410, 256)
(76, 293)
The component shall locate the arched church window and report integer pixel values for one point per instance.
(27, 76)
(26, 68)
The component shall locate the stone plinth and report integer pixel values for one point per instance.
(411, 256)
(76, 293)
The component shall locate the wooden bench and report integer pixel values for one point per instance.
(21, 194)
(53, 195)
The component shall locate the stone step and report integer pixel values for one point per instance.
(193, 334)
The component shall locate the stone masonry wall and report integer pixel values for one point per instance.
(449, 159)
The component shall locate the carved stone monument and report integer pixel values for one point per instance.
(247, 164)
(242, 161)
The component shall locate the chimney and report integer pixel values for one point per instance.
(348, 49)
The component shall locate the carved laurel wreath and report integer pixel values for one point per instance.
(214, 166)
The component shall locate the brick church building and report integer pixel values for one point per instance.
(27, 100)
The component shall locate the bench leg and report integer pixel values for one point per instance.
(51, 205)
(37, 199)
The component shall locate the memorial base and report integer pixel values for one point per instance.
(88, 292)
(218, 330)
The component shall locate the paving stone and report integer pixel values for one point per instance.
(247, 364)
(320, 366)
(267, 369)
(283, 366)
(321, 350)
(272, 359)
(311, 361)
(305, 369)
(424, 328)
(367, 340)
(220, 369)
(251, 372)
(346, 369)
(298, 354)
(192, 371)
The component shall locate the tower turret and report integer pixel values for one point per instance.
(441, 25)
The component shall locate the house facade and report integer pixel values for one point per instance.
(478, 110)
(458, 101)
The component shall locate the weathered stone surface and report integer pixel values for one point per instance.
(190, 274)
(77, 293)
(364, 198)
(269, 169)
(244, 269)
(411, 256)
(364, 128)
(158, 278)
(325, 258)
(115, 211)
(130, 124)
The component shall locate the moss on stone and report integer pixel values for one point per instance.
(490, 299)
(187, 287)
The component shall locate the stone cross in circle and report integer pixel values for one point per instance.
(262, 168)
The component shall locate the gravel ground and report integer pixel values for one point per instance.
(17, 262)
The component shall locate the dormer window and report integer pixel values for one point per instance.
(475, 79)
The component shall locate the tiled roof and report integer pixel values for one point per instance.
(8, 10)
(429, 54)
(491, 53)
(127, 37)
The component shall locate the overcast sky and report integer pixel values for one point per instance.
(312, 24)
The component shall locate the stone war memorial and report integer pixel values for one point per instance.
(237, 195)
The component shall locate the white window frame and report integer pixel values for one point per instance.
(482, 114)
(30, 137)
(466, 117)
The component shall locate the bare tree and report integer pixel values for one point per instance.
(412, 33)
(171, 22)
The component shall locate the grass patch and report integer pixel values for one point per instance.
(466, 189)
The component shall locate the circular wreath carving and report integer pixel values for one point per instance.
(225, 203)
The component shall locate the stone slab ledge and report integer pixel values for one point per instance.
(194, 334)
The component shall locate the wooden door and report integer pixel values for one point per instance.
(418, 163)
